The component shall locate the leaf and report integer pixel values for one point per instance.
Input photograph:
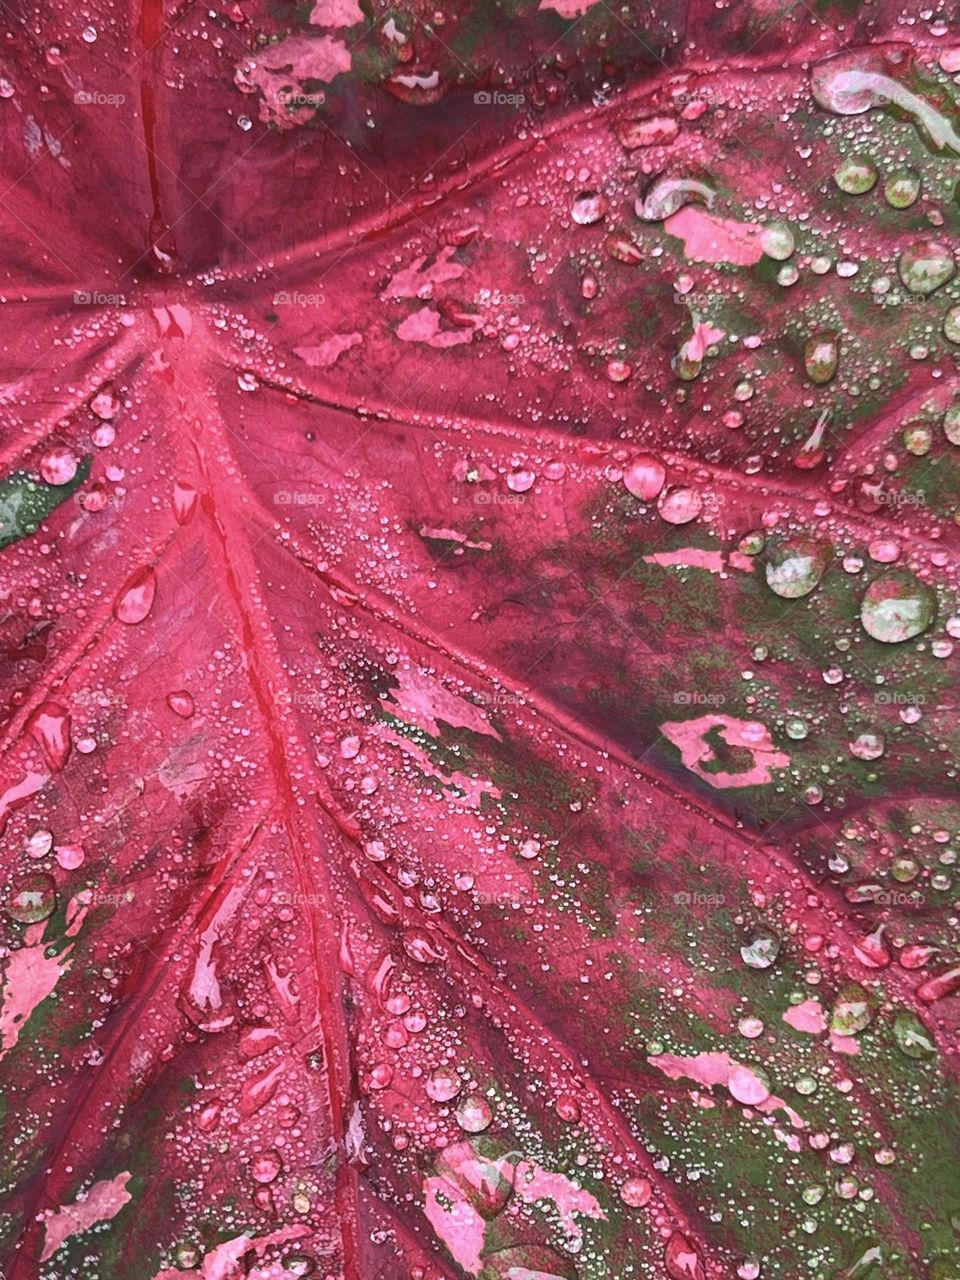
(25, 501)
(424, 801)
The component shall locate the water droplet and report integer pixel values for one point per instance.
(902, 188)
(795, 567)
(567, 1108)
(49, 726)
(667, 196)
(656, 132)
(39, 844)
(70, 856)
(821, 354)
(951, 326)
(184, 501)
(680, 505)
(105, 405)
(761, 952)
(951, 429)
(636, 1192)
(265, 1166)
(623, 248)
(644, 477)
(913, 1039)
(925, 265)
(521, 480)
(136, 600)
(32, 898)
(777, 241)
(682, 1259)
(474, 1113)
(443, 1085)
(897, 606)
(852, 1010)
(856, 175)
(867, 746)
(588, 207)
(181, 703)
(58, 466)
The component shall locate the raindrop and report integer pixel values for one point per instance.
(644, 477)
(795, 567)
(925, 265)
(897, 606)
(680, 505)
(32, 898)
(58, 466)
(856, 175)
(761, 952)
(181, 703)
(474, 1113)
(588, 207)
(136, 600)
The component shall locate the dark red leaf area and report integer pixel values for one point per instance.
(478, 528)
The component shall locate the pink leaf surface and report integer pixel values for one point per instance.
(478, 553)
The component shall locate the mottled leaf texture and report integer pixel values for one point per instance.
(479, 507)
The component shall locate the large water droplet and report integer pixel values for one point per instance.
(852, 1010)
(588, 207)
(913, 1039)
(897, 606)
(761, 952)
(794, 567)
(667, 195)
(32, 898)
(925, 265)
(680, 505)
(49, 726)
(821, 354)
(856, 175)
(644, 476)
(136, 600)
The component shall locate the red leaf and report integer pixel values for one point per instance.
(445, 802)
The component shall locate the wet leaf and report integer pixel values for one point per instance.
(479, 522)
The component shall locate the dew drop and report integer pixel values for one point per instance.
(136, 600)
